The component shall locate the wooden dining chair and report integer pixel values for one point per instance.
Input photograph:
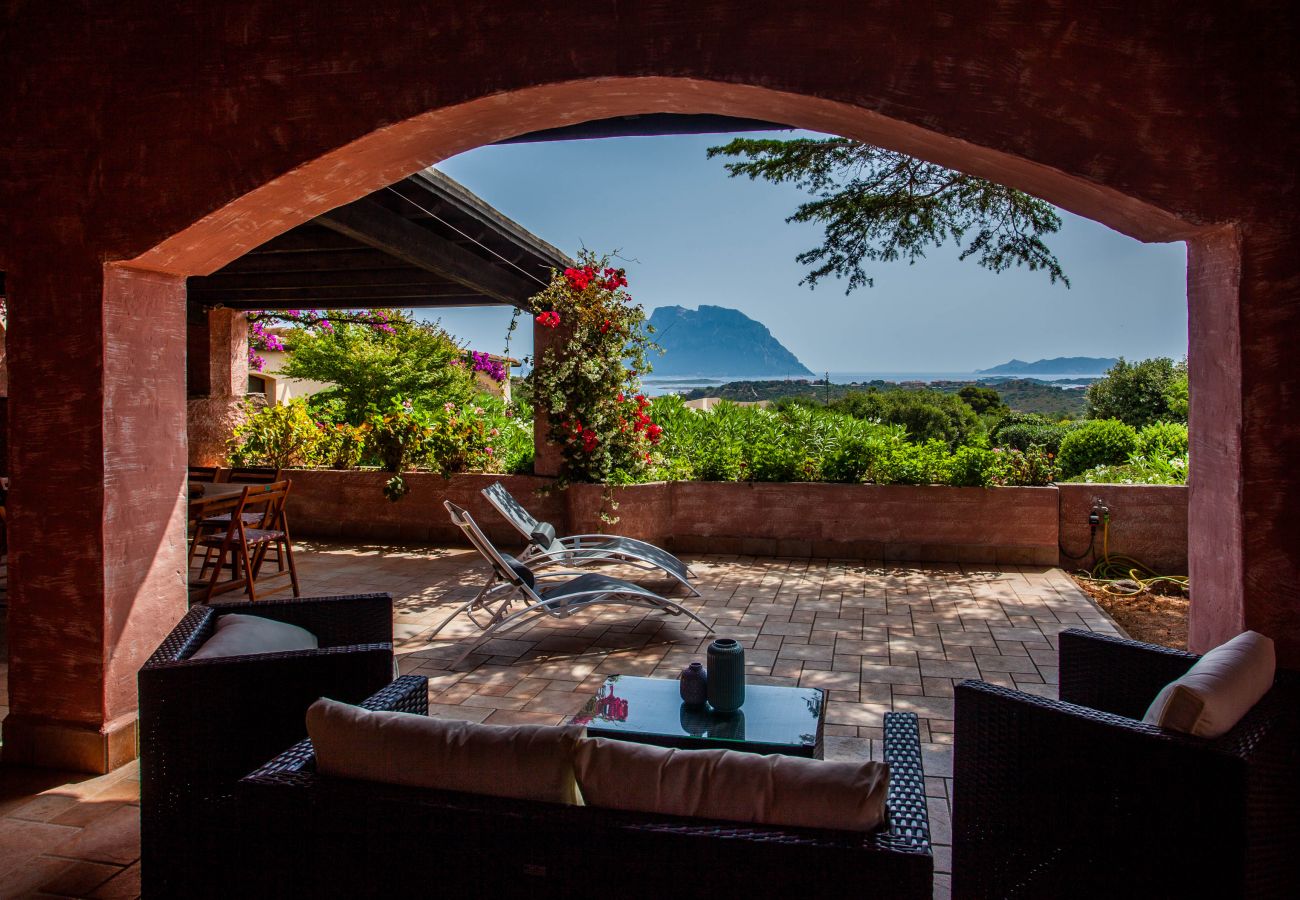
(253, 475)
(245, 547)
(204, 474)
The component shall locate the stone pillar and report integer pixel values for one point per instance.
(548, 458)
(211, 420)
(96, 506)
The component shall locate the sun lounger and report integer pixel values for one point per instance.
(515, 593)
(546, 548)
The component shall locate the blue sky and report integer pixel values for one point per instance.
(691, 235)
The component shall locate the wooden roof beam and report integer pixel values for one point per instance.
(370, 223)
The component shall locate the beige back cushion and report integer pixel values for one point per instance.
(1218, 690)
(239, 635)
(526, 762)
(739, 787)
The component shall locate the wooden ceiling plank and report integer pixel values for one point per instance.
(370, 223)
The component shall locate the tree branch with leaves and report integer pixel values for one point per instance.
(878, 206)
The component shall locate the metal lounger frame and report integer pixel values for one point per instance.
(595, 548)
(506, 585)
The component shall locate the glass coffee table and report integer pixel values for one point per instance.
(785, 720)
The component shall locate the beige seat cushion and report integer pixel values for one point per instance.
(526, 762)
(1218, 690)
(240, 635)
(735, 786)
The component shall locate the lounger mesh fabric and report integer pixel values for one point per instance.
(546, 547)
(515, 585)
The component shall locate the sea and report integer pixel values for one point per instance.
(681, 384)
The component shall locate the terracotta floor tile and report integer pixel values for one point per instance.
(875, 636)
(21, 841)
(24, 879)
(125, 886)
(114, 838)
(80, 878)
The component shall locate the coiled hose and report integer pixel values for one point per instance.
(1123, 576)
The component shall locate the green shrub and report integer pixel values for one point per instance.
(278, 436)
(1021, 437)
(1098, 442)
(984, 400)
(1015, 418)
(907, 463)
(854, 456)
(1140, 393)
(926, 415)
(1139, 470)
(1162, 440)
(972, 467)
(1032, 467)
(341, 445)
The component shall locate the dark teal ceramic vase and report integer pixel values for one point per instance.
(726, 675)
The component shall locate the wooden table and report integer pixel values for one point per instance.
(211, 494)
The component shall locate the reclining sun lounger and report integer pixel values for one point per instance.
(546, 548)
(514, 583)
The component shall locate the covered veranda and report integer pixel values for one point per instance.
(143, 150)
(876, 637)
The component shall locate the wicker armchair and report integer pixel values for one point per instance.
(206, 723)
(1078, 797)
(363, 839)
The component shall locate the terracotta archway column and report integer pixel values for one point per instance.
(1244, 510)
(211, 420)
(97, 537)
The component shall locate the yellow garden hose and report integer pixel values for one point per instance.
(1123, 576)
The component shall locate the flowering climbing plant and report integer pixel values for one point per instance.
(588, 377)
(262, 339)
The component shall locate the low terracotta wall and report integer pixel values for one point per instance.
(351, 504)
(1030, 526)
(889, 522)
(867, 521)
(644, 511)
(1148, 522)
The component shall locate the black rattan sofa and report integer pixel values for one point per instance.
(335, 837)
(1078, 798)
(206, 723)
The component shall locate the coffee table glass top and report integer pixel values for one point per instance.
(650, 710)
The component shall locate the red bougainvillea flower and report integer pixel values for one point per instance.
(589, 440)
(579, 279)
(654, 431)
(621, 398)
(604, 326)
(549, 319)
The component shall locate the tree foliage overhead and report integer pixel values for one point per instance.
(877, 205)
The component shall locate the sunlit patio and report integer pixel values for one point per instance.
(875, 637)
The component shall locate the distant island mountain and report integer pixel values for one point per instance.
(715, 340)
(1062, 365)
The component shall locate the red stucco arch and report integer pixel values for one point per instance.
(165, 145)
(393, 152)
